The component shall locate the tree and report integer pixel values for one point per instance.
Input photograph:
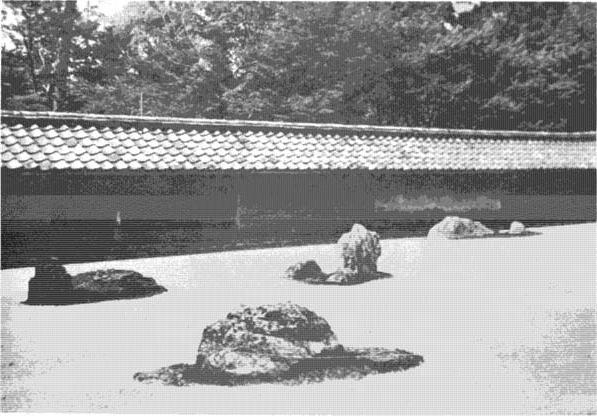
(183, 57)
(524, 66)
(528, 66)
(335, 62)
(57, 47)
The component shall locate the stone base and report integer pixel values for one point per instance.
(346, 363)
(310, 272)
(347, 277)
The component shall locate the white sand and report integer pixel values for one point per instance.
(506, 325)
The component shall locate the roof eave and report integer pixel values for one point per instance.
(174, 123)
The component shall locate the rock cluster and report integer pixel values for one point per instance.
(456, 227)
(52, 285)
(359, 250)
(276, 343)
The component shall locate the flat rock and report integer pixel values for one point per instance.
(52, 285)
(276, 343)
(114, 284)
(456, 227)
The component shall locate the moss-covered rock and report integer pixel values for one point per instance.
(113, 284)
(276, 343)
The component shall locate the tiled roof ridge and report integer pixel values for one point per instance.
(104, 120)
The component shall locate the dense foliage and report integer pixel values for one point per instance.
(524, 66)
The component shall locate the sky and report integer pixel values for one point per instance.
(107, 7)
(113, 7)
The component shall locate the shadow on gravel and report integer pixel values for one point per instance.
(353, 364)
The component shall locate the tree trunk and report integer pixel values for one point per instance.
(63, 59)
(28, 39)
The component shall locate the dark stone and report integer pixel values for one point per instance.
(50, 268)
(307, 271)
(276, 343)
(52, 285)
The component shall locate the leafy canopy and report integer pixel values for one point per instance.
(524, 66)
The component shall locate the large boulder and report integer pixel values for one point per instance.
(262, 343)
(360, 249)
(52, 285)
(456, 227)
(276, 343)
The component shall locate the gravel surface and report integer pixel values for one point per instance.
(506, 325)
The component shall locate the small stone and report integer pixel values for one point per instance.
(517, 228)
(308, 270)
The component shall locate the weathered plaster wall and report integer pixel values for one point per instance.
(154, 196)
(295, 197)
(74, 216)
